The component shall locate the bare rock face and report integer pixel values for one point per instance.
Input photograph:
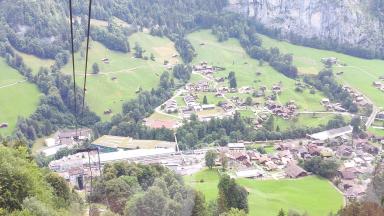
(342, 21)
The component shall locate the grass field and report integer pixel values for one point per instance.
(161, 117)
(313, 195)
(35, 63)
(378, 132)
(306, 120)
(359, 73)
(17, 97)
(130, 74)
(232, 56)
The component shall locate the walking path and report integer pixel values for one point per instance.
(9, 85)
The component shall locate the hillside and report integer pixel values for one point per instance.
(344, 25)
(18, 97)
(357, 73)
(121, 78)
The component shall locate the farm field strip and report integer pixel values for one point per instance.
(311, 194)
(18, 98)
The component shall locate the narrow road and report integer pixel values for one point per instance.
(9, 85)
(372, 117)
(325, 112)
(158, 109)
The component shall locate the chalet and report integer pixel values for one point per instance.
(218, 94)
(223, 89)
(108, 111)
(226, 106)
(259, 93)
(294, 171)
(354, 192)
(246, 90)
(221, 79)
(377, 84)
(105, 60)
(380, 116)
(263, 159)
(253, 155)
(71, 136)
(233, 90)
(276, 88)
(284, 146)
(303, 152)
(325, 101)
(329, 60)
(344, 151)
(373, 150)
(236, 146)
(270, 166)
(4, 125)
(313, 149)
(170, 106)
(326, 153)
(249, 174)
(359, 98)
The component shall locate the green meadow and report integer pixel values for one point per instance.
(311, 194)
(306, 120)
(358, 73)
(124, 76)
(232, 57)
(376, 131)
(35, 63)
(17, 97)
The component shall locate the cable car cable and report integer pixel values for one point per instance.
(73, 63)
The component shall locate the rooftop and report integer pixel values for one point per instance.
(138, 154)
(130, 143)
(329, 134)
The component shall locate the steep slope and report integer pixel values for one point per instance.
(356, 23)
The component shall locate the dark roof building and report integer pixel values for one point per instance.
(294, 171)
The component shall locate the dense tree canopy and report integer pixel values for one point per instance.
(26, 188)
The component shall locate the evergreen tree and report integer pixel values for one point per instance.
(95, 68)
(205, 100)
(199, 208)
(232, 80)
(210, 158)
(138, 50)
(281, 213)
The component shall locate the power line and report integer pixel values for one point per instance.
(73, 63)
(86, 55)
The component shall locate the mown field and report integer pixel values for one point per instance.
(35, 63)
(231, 55)
(17, 97)
(120, 80)
(311, 194)
(376, 131)
(358, 73)
(306, 120)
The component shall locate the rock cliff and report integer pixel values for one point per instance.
(342, 21)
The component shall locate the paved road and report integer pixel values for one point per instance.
(375, 109)
(178, 92)
(372, 117)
